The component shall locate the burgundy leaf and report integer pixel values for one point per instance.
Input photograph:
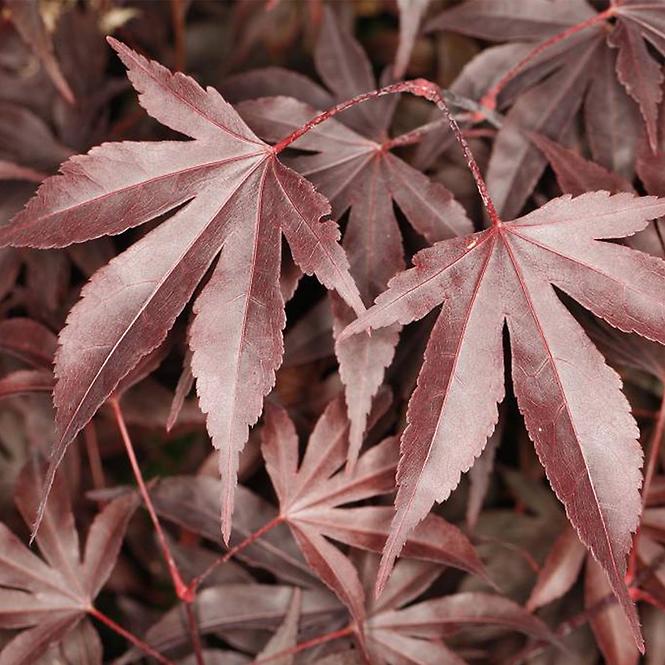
(612, 631)
(577, 175)
(129, 305)
(560, 571)
(410, 15)
(572, 402)
(286, 635)
(548, 108)
(182, 389)
(356, 170)
(504, 20)
(11, 171)
(50, 598)
(611, 118)
(311, 495)
(236, 606)
(28, 340)
(193, 503)
(26, 381)
(428, 618)
(346, 70)
(480, 475)
(28, 645)
(637, 70)
(104, 541)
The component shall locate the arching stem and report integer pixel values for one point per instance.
(420, 88)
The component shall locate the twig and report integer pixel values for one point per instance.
(420, 88)
(227, 556)
(181, 589)
(129, 636)
(178, 9)
(184, 592)
(194, 633)
(309, 644)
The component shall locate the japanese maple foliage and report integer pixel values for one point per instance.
(363, 303)
(224, 170)
(354, 166)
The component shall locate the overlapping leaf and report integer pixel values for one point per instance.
(400, 632)
(354, 167)
(571, 401)
(312, 494)
(48, 598)
(600, 67)
(223, 610)
(235, 198)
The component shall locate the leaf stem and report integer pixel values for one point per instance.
(481, 185)
(309, 644)
(489, 99)
(194, 633)
(129, 636)
(181, 589)
(227, 556)
(420, 88)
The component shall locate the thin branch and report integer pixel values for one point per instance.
(194, 633)
(181, 589)
(178, 9)
(227, 556)
(129, 636)
(309, 644)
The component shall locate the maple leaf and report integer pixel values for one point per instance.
(354, 166)
(598, 61)
(560, 570)
(47, 599)
(286, 635)
(239, 201)
(571, 401)
(399, 630)
(228, 608)
(559, 573)
(193, 502)
(312, 494)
